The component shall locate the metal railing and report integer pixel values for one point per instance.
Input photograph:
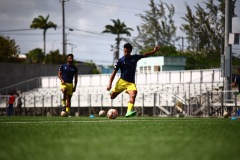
(158, 94)
(210, 103)
(22, 86)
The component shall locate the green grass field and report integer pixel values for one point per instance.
(138, 138)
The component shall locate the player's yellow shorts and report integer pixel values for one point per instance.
(68, 86)
(122, 85)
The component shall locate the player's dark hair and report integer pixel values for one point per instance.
(70, 55)
(128, 46)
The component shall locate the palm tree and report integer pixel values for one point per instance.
(42, 23)
(117, 28)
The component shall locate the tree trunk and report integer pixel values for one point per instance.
(44, 42)
(116, 56)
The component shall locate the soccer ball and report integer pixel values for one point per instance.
(102, 113)
(63, 114)
(225, 114)
(112, 113)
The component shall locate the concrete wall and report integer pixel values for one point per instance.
(13, 73)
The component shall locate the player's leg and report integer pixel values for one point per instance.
(69, 93)
(17, 110)
(11, 109)
(20, 110)
(7, 110)
(63, 96)
(113, 94)
(130, 109)
(119, 87)
(132, 91)
(68, 104)
(132, 95)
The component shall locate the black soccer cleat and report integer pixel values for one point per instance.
(64, 108)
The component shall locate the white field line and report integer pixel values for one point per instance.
(94, 121)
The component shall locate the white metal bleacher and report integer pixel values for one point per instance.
(167, 87)
(91, 89)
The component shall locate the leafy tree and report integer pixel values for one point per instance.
(205, 32)
(205, 28)
(8, 49)
(157, 26)
(94, 70)
(118, 28)
(35, 56)
(54, 57)
(203, 61)
(43, 23)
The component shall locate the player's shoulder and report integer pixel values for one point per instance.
(137, 56)
(75, 67)
(63, 65)
(121, 59)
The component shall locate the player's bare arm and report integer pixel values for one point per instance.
(75, 82)
(156, 48)
(111, 80)
(60, 76)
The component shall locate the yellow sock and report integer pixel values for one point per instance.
(130, 107)
(67, 109)
(63, 102)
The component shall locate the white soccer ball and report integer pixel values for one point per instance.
(102, 113)
(63, 114)
(225, 114)
(112, 113)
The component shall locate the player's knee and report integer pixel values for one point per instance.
(64, 91)
(133, 95)
(113, 95)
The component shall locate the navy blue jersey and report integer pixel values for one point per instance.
(68, 71)
(128, 65)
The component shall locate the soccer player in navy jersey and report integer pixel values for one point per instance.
(127, 64)
(66, 73)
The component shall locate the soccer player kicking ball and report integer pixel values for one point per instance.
(127, 64)
(66, 73)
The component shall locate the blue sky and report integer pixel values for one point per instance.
(87, 18)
